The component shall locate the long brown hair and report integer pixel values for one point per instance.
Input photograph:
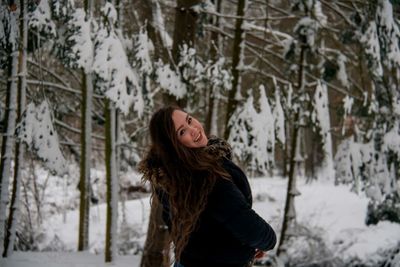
(186, 175)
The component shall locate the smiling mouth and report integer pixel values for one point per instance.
(198, 138)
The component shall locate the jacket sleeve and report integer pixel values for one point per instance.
(230, 208)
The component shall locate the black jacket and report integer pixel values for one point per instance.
(228, 231)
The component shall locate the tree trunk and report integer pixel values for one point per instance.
(156, 241)
(185, 26)
(20, 147)
(112, 182)
(237, 57)
(84, 182)
(150, 10)
(156, 247)
(86, 145)
(149, 13)
(9, 130)
(184, 33)
(212, 101)
(290, 211)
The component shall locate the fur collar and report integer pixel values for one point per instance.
(219, 148)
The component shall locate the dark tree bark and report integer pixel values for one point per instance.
(86, 125)
(290, 212)
(185, 26)
(20, 147)
(111, 181)
(156, 247)
(236, 54)
(148, 10)
(214, 56)
(8, 141)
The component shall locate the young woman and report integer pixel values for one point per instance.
(206, 198)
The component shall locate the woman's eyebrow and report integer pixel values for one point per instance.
(186, 119)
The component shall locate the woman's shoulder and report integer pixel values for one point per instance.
(239, 178)
(234, 170)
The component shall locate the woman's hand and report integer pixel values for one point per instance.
(259, 254)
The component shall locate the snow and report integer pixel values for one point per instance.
(143, 49)
(118, 81)
(37, 131)
(239, 136)
(359, 163)
(336, 211)
(370, 40)
(61, 259)
(321, 118)
(390, 31)
(205, 6)
(158, 23)
(342, 72)
(347, 104)
(65, 227)
(279, 116)
(40, 19)
(192, 70)
(82, 50)
(307, 28)
(170, 81)
(218, 77)
(252, 133)
(264, 134)
(109, 11)
(318, 13)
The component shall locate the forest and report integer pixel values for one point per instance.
(307, 92)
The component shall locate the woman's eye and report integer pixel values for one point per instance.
(182, 132)
(189, 120)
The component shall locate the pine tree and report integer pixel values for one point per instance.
(376, 171)
(305, 44)
(119, 83)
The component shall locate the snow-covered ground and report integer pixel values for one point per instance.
(334, 211)
(66, 259)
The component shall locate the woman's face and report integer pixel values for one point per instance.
(189, 131)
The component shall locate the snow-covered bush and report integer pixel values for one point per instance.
(374, 159)
(128, 240)
(42, 196)
(308, 247)
(252, 135)
(385, 257)
(37, 131)
(360, 165)
(321, 119)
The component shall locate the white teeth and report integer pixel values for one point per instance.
(197, 138)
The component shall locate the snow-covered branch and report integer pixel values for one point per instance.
(336, 9)
(75, 130)
(214, 13)
(254, 27)
(58, 86)
(52, 73)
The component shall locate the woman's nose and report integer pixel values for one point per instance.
(192, 130)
